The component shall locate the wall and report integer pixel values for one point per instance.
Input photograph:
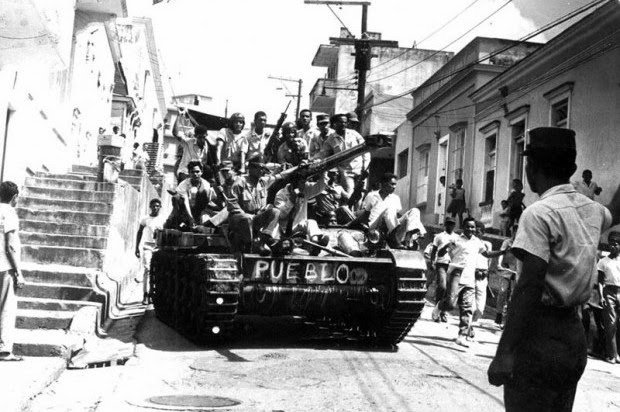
(594, 104)
(404, 135)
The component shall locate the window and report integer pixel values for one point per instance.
(403, 161)
(422, 186)
(456, 165)
(516, 149)
(490, 146)
(559, 113)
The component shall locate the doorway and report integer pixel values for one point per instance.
(442, 169)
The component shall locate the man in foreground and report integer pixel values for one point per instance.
(542, 352)
(10, 271)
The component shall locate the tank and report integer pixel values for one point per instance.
(202, 290)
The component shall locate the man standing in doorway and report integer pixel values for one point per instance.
(10, 271)
(587, 187)
(543, 352)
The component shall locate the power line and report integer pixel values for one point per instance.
(533, 34)
(436, 52)
(445, 47)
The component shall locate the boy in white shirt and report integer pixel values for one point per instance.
(145, 243)
(440, 263)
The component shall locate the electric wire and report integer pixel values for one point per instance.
(524, 39)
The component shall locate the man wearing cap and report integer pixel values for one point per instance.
(305, 131)
(194, 148)
(542, 352)
(343, 139)
(318, 148)
(353, 121)
(246, 206)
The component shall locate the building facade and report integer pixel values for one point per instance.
(434, 146)
(572, 81)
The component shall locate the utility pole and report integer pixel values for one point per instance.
(363, 47)
(298, 95)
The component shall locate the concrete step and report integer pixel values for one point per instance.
(54, 304)
(59, 292)
(48, 239)
(80, 257)
(69, 184)
(80, 218)
(43, 319)
(68, 194)
(26, 225)
(59, 274)
(88, 170)
(131, 173)
(66, 176)
(55, 205)
(41, 342)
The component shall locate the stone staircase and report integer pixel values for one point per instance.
(64, 224)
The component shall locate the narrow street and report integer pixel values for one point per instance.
(279, 369)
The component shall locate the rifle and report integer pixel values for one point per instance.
(271, 150)
(306, 170)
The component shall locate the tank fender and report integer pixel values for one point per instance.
(406, 259)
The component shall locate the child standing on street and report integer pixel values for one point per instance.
(145, 243)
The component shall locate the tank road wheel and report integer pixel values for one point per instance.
(218, 294)
(407, 291)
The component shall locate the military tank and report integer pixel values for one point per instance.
(202, 290)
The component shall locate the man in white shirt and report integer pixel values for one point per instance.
(258, 137)
(232, 143)
(440, 263)
(543, 351)
(609, 286)
(194, 148)
(305, 131)
(482, 275)
(318, 147)
(381, 209)
(196, 195)
(341, 140)
(145, 243)
(587, 187)
(462, 277)
(10, 271)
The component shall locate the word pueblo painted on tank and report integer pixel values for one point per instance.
(316, 273)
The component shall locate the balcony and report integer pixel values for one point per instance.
(322, 96)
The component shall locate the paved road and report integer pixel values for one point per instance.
(277, 368)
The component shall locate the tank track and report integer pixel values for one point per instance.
(409, 291)
(197, 295)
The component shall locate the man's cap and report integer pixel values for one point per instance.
(226, 165)
(449, 219)
(322, 118)
(352, 116)
(550, 138)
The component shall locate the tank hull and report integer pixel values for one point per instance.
(201, 295)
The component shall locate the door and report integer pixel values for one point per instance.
(442, 170)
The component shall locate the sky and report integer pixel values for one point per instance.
(227, 48)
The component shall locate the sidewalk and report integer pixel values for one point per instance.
(22, 381)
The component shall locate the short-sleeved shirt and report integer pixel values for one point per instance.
(191, 152)
(234, 146)
(376, 205)
(291, 156)
(285, 205)
(248, 197)
(588, 190)
(308, 135)
(350, 139)
(257, 143)
(464, 256)
(190, 192)
(151, 224)
(563, 228)
(319, 147)
(440, 240)
(610, 269)
(8, 223)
